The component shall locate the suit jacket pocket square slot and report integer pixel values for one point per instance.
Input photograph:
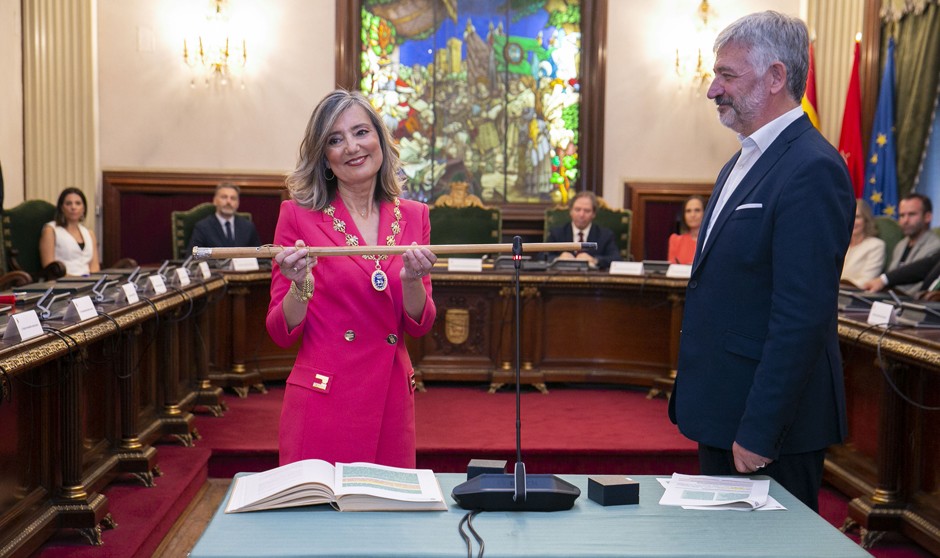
(749, 206)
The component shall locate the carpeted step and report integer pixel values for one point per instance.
(572, 429)
(143, 515)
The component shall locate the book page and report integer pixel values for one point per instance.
(692, 490)
(295, 484)
(354, 480)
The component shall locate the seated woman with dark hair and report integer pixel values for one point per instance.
(66, 239)
(682, 246)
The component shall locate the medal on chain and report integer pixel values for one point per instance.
(379, 279)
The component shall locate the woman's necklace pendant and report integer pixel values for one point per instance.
(379, 279)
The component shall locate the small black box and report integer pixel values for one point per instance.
(480, 466)
(613, 490)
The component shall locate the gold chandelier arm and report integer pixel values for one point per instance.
(203, 253)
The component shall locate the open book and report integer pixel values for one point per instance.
(347, 487)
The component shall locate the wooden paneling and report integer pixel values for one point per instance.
(137, 206)
(650, 235)
(575, 328)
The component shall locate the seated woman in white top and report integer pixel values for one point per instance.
(865, 258)
(68, 241)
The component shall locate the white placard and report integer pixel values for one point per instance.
(22, 326)
(182, 275)
(80, 309)
(882, 314)
(465, 264)
(679, 271)
(626, 268)
(130, 292)
(245, 264)
(156, 284)
(204, 270)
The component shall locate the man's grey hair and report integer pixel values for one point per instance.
(771, 36)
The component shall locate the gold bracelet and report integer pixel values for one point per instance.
(305, 293)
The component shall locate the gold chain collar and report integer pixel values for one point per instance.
(352, 240)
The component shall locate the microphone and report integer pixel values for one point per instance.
(517, 491)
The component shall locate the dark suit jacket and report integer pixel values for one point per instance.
(208, 233)
(926, 270)
(606, 252)
(759, 358)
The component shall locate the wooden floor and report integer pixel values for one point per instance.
(195, 518)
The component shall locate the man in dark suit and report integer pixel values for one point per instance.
(759, 383)
(582, 210)
(224, 227)
(925, 271)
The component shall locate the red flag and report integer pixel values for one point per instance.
(809, 97)
(850, 140)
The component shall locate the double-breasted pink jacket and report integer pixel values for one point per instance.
(350, 394)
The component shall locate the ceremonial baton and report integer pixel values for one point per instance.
(203, 253)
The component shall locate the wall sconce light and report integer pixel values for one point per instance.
(214, 57)
(694, 56)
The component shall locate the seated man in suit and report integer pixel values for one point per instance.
(581, 229)
(224, 228)
(914, 214)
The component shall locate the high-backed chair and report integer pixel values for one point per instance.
(890, 232)
(182, 223)
(619, 221)
(10, 278)
(22, 227)
(465, 225)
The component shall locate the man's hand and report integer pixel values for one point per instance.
(874, 285)
(746, 461)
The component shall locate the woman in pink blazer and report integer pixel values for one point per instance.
(350, 395)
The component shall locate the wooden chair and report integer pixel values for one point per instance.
(890, 232)
(182, 223)
(465, 225)
(619, 221)
(22, 227)
(10, 278)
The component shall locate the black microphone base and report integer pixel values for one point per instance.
(494, 492)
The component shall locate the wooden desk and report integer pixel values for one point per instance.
(579, 327)
(242, 354)
(83, 405)
(890, 462)
(591, 327)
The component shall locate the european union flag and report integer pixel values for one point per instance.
(881, 178)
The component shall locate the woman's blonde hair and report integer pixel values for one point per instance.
(871, 227)
(308, 183)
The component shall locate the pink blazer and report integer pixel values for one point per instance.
(349, 396)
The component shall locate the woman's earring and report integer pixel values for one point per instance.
(330, 176)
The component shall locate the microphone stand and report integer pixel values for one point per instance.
(519, 494)
(517, 491)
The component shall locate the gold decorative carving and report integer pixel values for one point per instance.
(457, 325)
(459, 196)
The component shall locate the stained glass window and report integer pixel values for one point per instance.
(482, 93)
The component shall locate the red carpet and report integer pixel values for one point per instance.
(569, 430)
(143, 515)
(577, 430)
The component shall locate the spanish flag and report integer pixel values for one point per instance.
(809, 97)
